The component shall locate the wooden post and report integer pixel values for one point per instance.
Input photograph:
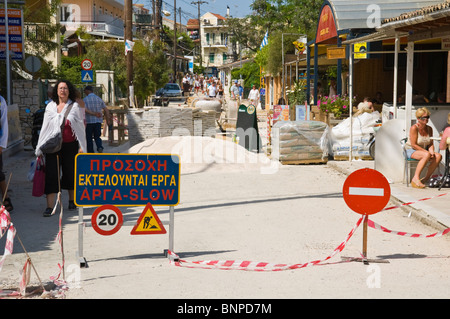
(366, 218)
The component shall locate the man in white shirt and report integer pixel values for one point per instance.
(212, 90)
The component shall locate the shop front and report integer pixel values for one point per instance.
(415, 46)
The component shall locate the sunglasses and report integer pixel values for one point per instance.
(424, 118)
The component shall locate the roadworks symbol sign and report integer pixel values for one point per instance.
(148, 223)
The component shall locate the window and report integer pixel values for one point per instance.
(211, 58)
(223, 38)
(207, 38)
(70, 13)
(224, 57)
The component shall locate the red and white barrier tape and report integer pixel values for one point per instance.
(411, 203)
(255, 266)
(6, 226)
(374, 225)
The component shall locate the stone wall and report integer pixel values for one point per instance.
(26, 95)
(151, 122)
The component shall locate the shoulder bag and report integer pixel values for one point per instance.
(54, 142)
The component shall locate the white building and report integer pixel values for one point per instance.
(216, 49)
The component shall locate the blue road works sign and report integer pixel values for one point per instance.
(127, 179)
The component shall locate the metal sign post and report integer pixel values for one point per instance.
(125, 180)
(366, 192)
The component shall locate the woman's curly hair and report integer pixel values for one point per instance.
(72, 91)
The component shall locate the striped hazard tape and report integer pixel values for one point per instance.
(374, 225)
(264, 266)
(255, 266)
(411, 203)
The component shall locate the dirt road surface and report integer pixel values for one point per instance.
(294, 215)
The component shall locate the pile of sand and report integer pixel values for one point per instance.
(200, 154)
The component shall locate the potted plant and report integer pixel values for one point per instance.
(337, 105)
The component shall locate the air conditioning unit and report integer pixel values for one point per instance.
(206, 21)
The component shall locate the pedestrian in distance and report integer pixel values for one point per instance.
(212, 90)
(235, 91)
(253, 95)
(63, 111)
(94, 107)
(3, 144)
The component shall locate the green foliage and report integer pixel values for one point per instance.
(70, 69)
(150, 69)
(250, 74)
(297, 96)
(276, 17)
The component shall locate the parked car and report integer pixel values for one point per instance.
(172, 90)
(168, 92)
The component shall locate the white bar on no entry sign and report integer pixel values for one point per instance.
(366, 191)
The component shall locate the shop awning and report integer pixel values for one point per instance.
(339, 17)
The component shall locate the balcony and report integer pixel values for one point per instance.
(104, 26)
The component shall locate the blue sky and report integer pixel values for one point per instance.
(238, 8)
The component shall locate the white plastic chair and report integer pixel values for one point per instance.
(408, 162)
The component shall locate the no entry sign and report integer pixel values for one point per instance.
(366, 191)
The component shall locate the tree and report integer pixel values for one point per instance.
(276, 17)
(149, 65)
(250, 73)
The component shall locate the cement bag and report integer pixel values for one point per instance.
(363, 126)
(299, 140)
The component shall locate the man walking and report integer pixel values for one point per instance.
(94, 119)
(212, 90)
(235, 91)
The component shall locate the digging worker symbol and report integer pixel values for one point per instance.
(147, 220)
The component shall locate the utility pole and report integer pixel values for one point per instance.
(8, 67)
(175, 41)
(198, 3)
(129, 53)
(158, 18)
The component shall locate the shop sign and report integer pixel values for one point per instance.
(336, 53)
(360, 50)
(445, 43)
(326, 28)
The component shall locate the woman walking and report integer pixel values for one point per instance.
(62, 108)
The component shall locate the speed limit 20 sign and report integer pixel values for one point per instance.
(107, 220)
(87, 64)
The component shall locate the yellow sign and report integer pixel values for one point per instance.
(148, 223)
(360, 50)
(300, 46)
(336, 53)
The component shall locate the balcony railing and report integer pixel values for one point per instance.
(102, 23)
(98, 27)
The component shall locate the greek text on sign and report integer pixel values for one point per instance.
(127, 179)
